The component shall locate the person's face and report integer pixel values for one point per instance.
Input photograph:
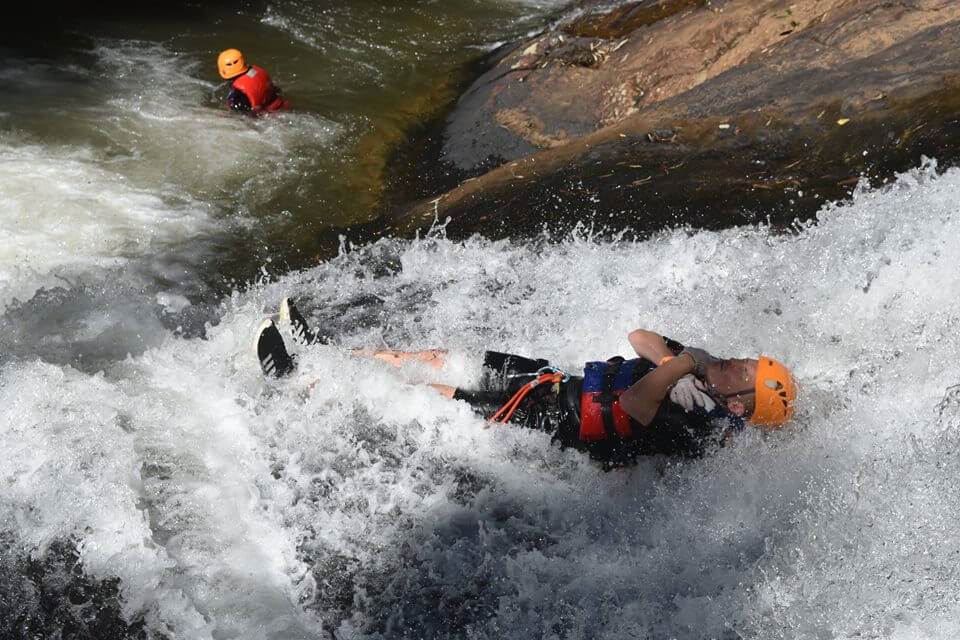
(733, 382)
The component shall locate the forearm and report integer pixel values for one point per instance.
(642, 400)
(649, 345)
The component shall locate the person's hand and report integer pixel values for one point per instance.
(689, 392)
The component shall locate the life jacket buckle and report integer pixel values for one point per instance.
(565, 377)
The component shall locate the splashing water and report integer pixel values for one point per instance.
(86, 219)
(232, 506)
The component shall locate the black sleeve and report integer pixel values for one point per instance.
(673, 345)
(237, 101)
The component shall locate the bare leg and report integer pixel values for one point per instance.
(436, 358)
(444, 389)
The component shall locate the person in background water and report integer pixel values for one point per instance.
(669, 399)
(251, 90)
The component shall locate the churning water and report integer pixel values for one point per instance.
(232, 506)
(154, 484)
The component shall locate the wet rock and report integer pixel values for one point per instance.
(699, 112)
(624, 20)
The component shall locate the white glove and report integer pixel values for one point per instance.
(690, 392)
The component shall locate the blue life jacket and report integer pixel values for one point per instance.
(602, 417)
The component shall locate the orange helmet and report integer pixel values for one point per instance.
(231, 64)
(775, 392)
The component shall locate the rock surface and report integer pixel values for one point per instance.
(687, 111)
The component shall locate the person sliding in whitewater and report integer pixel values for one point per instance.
(671, 399)
(251, 89)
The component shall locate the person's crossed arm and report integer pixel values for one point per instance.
(649, 345)
(673, 376)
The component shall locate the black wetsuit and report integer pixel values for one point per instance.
(555, 409)
(238, 101)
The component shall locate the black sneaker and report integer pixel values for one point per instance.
(271, 352)
(301, 331)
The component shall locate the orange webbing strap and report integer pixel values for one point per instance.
(506, 412)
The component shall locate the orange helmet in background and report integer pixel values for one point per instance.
(775, 392)
(230, 64)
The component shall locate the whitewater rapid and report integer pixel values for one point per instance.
(118, 219)
(230, 506)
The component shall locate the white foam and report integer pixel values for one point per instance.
(167, 115)
(76, 472)
(383, 509)
(64, 216)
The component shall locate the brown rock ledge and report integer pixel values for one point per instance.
(701, 113)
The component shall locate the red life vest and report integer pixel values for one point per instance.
(259, 89)
(601, 416)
